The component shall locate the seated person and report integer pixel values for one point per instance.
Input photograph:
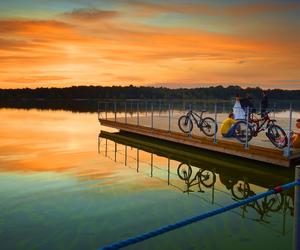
(296, 136)
(228, 127)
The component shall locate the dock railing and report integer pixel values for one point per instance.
(164, 115)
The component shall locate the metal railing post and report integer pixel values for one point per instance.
(159, 107)
(138, 113)
(168, 171)
(297, 211)
(116, 151)
(98, 111)
(105, 108)
(215, 135)
(115, 111)
(125, 155)
(169, 129)
(152, 115)
(146, 108)
(125, 111)
(247, 119)
(274, 107)
(137, 160)
(288, 152)
(190, 108)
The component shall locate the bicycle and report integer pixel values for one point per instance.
(207, 124)
(275, 133)
(272, 203)
(203, 176)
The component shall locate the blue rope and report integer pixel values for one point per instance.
(171, 227)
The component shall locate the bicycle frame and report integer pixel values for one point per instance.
(259, 123)
(195, 117)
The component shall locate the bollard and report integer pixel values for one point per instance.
(169, 130)
(152, 115)
(297, 211)
(215, 135)
(125, 110)
(115, 111)
(247, 119)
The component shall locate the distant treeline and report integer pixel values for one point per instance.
(132, 92)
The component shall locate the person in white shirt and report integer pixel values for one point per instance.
(238, 111)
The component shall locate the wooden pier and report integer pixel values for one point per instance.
(254, 152)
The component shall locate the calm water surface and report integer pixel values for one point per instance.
(63, 187)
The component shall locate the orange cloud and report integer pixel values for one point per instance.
(109, 50)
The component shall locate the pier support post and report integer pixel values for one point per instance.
(151, 164)
(297, 211)
(98, 111)
(215, 135)
(116, 150)
(247, 129)
(169, 161)
(137, 160)
(125, 155)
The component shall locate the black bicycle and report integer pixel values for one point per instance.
(207, 124)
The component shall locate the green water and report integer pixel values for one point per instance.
(62, 187)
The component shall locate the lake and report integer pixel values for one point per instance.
(64, 184)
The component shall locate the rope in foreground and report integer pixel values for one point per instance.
(171, 227)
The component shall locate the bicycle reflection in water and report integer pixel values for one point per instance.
(240, 189)
(202, 177)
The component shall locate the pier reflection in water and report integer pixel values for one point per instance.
(210, 184)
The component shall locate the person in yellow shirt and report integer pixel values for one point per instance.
(228, 126)
(296, 136)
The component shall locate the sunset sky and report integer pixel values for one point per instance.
(171, 43)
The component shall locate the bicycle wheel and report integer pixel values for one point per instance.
(185, 124)
(241, 131)
(209, 126)
(207, 178)
(277, 136)
(184, 171)
(274, 202)
(240, 190)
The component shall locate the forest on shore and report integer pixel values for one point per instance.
(143, 92)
